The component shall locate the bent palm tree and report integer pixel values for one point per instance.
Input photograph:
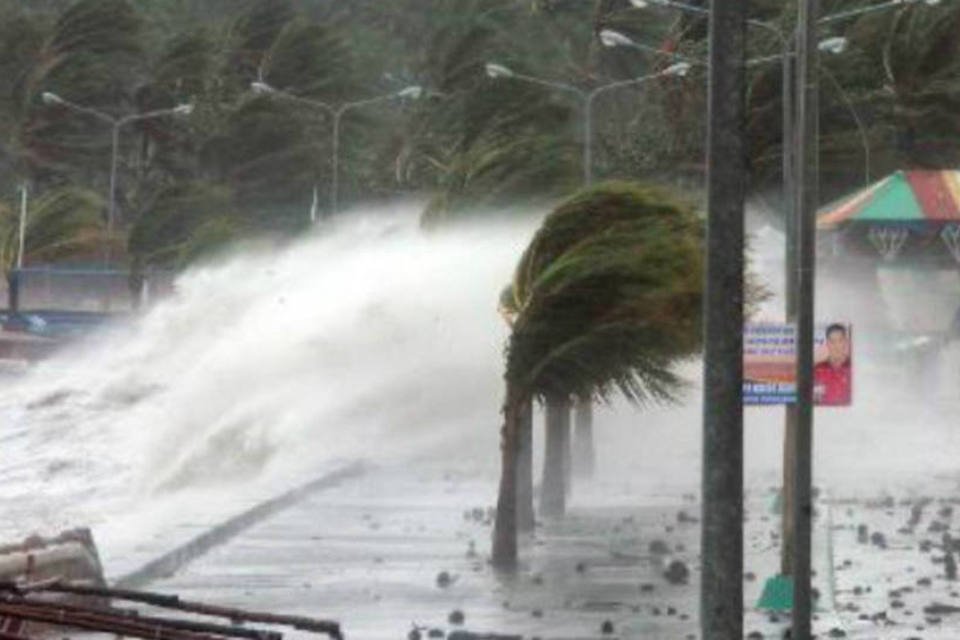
(606, 298)
(61, 223)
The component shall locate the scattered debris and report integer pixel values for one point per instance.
(444, 579)
(659, 548)
(938, 609)
(677, 573)
(878, 540)
(950, 566)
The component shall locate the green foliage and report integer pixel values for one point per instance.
(185, 65)
(207, 240)
(310, 59)
(256, 32)
(607, 296)
(165, 232)
(269, 163)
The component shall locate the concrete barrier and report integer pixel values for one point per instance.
(171, 562)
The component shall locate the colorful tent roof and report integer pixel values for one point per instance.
(901, 197)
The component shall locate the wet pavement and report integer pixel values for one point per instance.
(388, 553)
(393, 555)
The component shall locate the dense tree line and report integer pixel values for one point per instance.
(252, 163)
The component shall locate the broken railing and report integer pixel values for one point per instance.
(87, 611)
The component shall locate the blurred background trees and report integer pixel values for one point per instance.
(245, 163)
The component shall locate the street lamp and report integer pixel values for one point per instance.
(611, 38)
(412, 92)
(116, 124)
(498, 71)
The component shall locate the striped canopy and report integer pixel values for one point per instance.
(902, 197)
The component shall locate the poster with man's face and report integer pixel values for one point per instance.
(769, 352)
(832, 369)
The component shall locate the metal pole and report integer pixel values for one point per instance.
(807, 200)
(721, 589)
(23, 224)
(790, 228)
(335, 180)
(789, 194)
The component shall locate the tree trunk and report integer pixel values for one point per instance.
(505, 527)
(525, 516)
(584, 456)
(553, 491)
(135, 282)
(787, 497)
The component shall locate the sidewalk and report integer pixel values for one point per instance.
(392, 550)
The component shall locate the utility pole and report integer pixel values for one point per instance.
(721, 589)
(807, 173)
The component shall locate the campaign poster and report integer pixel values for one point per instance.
(769, 372)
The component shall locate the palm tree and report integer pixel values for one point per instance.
(606, 298)
(178, 222)
(61, 223)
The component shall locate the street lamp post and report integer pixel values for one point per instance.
(721, 534)
(336, 114)
(116, 124)
(586, 98)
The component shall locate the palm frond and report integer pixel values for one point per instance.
(607, 296)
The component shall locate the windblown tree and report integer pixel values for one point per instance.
(507, 143)
(605, 299)
(180, 213)
(91, 56)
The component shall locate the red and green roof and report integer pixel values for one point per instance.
(902, 197)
